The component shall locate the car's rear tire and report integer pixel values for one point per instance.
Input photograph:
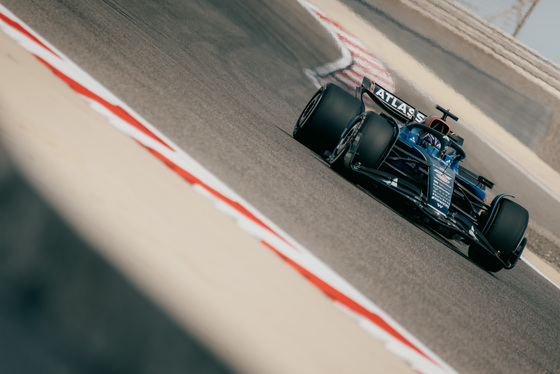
(505, 231)
(377, 135)
(325, 117)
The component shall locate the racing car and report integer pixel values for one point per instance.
(417, 157)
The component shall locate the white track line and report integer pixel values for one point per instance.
(366, 313)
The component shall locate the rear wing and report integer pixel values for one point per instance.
(396, 106)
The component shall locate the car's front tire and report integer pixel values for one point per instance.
(377, 135)
(504, 231)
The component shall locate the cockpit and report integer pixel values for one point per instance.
(433, 134)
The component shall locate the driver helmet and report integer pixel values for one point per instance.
(431, 140)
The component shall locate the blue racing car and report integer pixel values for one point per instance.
(418, 157)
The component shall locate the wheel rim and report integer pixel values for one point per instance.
(309, 109)
(345, 139)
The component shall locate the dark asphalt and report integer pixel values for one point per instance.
(224, 80)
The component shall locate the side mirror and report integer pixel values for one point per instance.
(486, 182)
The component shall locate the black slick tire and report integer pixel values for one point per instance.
(325, 117)
(377, 137)
(504, 232)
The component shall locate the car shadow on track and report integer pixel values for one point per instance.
(405, 209)
(394, 202)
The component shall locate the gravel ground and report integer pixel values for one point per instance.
(544, 244)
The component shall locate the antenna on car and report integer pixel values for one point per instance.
(446, 113)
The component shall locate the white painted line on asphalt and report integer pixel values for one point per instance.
(540, 272)
(125, 119)
(356, 62)
(432, 86)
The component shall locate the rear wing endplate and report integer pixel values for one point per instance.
(395, 105)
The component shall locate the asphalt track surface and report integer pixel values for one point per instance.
(224, 80)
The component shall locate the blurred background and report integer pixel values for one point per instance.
(532, 22)
(64, 309)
